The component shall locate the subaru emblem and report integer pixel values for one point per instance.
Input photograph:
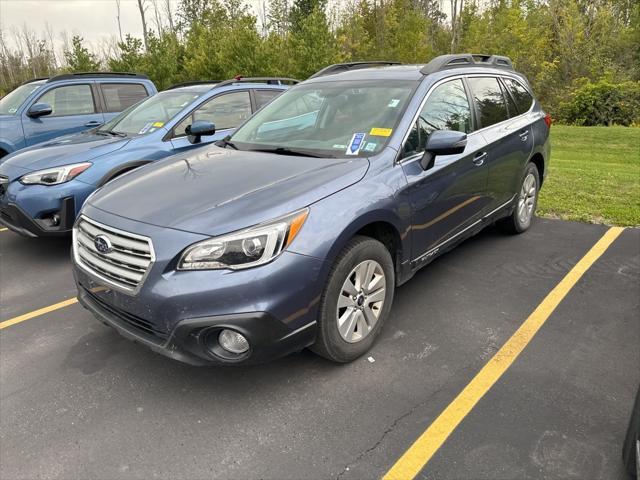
(102, 244)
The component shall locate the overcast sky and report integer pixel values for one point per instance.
(94, 20)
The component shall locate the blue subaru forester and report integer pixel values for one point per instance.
(43, 187)
(45, 108)
(295, 231)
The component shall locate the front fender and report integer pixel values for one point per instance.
(334, 220)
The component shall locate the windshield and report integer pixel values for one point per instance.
(150, 114)
(332, 119)
(11, 102)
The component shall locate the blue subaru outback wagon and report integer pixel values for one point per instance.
(294, 231)
(43, 187)
(46, 108)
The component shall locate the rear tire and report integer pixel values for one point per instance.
(356, 300)
(526, 202)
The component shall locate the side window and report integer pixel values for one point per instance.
(69, 100)
(447, 108)
(520, 94)
(265, 96)
(120, 96)
(511, 106)
(489, 100)
(228, 110)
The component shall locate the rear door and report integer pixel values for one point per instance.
(74, 109)
(451, 195)
(117, 97)
(508, 137)
(226, 111)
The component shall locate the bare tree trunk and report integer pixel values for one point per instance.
(118, 18)
(145, 33)
(454, 23)
(158, 17)
(169, 14)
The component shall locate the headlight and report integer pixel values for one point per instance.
(55, 176)
(248, 248)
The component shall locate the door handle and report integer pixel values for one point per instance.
(479, 159)
(92, 123)
(524, 135)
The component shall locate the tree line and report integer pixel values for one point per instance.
(582, 57)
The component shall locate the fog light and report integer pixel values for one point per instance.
(233, 342)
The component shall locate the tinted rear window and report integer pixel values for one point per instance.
(520, 94)
(120, 96)
(489, 100)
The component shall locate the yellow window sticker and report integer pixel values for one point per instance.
(158, 124)
(381, 132)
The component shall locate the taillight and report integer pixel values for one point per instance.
(547, 120)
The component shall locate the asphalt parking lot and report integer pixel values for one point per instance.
(79, 401)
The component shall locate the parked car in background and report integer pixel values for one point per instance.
(631, 446)
(43, 187)
(46, 108)
(295, 231)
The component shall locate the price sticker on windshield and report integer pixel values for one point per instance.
(355, 144)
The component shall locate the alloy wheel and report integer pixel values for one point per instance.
(361, 301)
(527, 199)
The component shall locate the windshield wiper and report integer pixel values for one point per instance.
(290, 151)
(224, 143)
(111, 132)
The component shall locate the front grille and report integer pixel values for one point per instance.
(144, 327)
(124, 265)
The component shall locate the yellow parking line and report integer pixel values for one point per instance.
(427, 444)
(3, 229)
(37, 313)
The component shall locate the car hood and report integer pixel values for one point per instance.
(65, 150)
(217, 190)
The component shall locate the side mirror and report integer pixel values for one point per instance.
(443, 142)
(39, 110)
(197, 129)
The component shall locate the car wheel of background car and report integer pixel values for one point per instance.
(631, 447)
(356, 300)
(526, 201)
(2, 153)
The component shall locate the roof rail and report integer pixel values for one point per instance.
(72, 76)
(267, 80)
(194, 83)
(445, 62)
(34, 80)
(344, 67)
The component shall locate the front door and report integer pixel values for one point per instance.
(226, 111)
(74, 110)
(451, 195)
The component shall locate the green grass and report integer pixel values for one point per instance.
(594, 175)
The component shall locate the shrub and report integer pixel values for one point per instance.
(602, 103)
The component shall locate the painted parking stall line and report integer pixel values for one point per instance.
(37, 313)
(422, 450)
(3, 229)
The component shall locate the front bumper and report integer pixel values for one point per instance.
(191, 339)
(40, 210)
(17, 220)
(274, 305)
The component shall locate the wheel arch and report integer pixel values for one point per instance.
(384, 226)
(120, 169)
(538, 160)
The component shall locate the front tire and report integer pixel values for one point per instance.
(526, 202)
(356, 300)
